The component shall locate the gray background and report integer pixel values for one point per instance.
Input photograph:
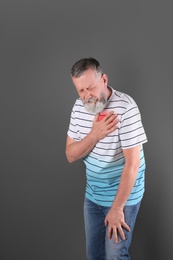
(41, 194)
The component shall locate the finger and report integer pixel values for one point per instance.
(113, 125)
(112, 120)
(115, 235)
(106, 222)
(115, 116)
(126, 226)
(109, 232)
(109, 115)
(121, 232)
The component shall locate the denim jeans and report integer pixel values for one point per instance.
(98, 247)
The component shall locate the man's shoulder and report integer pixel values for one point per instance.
(123, 97)
(78, 103)
(78, 106)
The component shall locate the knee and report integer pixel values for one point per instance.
(117, 251)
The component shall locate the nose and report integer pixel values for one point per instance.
(87, 94)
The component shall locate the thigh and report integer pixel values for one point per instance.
(120, 250)
(94, 230)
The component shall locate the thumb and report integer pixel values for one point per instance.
(106, 222)
(96, 118)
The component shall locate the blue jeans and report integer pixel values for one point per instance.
(98, 247)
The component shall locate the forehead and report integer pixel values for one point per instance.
(88, 78)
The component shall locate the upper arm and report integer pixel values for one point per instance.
(132, 155)
(69, 141)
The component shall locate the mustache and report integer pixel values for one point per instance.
(91, 100)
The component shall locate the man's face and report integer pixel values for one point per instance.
(92, 89)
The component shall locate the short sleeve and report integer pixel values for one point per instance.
(131, 130)
(73, 131)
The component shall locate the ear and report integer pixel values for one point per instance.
(105, 79)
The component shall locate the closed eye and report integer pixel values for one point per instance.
(91, 88)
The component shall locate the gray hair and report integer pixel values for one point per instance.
(84, 64)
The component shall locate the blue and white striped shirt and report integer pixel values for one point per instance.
(104, 164)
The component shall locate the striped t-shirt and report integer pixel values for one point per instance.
(104, 164)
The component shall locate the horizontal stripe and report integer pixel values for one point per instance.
(104, 164)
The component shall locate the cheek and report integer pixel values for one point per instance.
(81, 96)
(95, 94)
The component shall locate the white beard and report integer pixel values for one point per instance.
(94, 106)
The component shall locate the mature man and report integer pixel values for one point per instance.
(106, 131)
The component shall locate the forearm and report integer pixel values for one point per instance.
(76, 150)
(80, 149)
(126, 185)
(115, 218)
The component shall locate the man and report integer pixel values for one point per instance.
(111, 148)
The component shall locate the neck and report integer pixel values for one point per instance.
(109, 91)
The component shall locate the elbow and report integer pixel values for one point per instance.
(70, 159)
